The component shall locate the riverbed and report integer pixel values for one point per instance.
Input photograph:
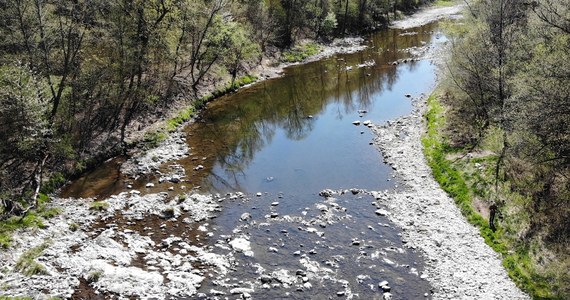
(268, 195)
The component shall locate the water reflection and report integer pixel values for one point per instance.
(295, 132)
(257, 132)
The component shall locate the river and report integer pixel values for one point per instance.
(281, 142)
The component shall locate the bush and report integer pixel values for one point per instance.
(299, 53)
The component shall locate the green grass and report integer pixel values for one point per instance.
(458, 179)
(445, 2)
(7, 227)
(94, 276)
(98, 205)
(182, 117)
(34, 218)
(231, 87)
(27, 264)
(153, 138)
(300, 52)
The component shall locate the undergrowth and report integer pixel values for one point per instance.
(27, 263)
(445, 2)
(300, 52)
(463, 185)
(34, 218)
(98, 205)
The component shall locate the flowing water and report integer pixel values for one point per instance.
(288, 138)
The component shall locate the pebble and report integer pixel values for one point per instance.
(245, 217)
(382, 212)
(265, 279)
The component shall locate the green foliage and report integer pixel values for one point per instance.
(98, 205)
(74, 227)
(153, 138)
(94, 276)
(7, 227)
(445, 2)
(300, 52)
(5, 239)
(329, 25)
(455, 177)
(184, 116)
(56, 181)
(27, 265)
(49, 213)
(232, 87)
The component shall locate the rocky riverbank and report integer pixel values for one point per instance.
(460, 264)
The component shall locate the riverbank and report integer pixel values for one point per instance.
(153, 243)
(460, 264)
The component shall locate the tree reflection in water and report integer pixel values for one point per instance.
(238, 126)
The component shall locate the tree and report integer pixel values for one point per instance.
(27, 137)
(238, 48)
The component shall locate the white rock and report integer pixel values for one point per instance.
(382, 212)
(241, 245)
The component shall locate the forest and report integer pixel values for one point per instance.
(506, 102)
(78, 76)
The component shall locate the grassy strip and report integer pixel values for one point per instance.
(445, 2)
(300, 52)
(452, 179)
